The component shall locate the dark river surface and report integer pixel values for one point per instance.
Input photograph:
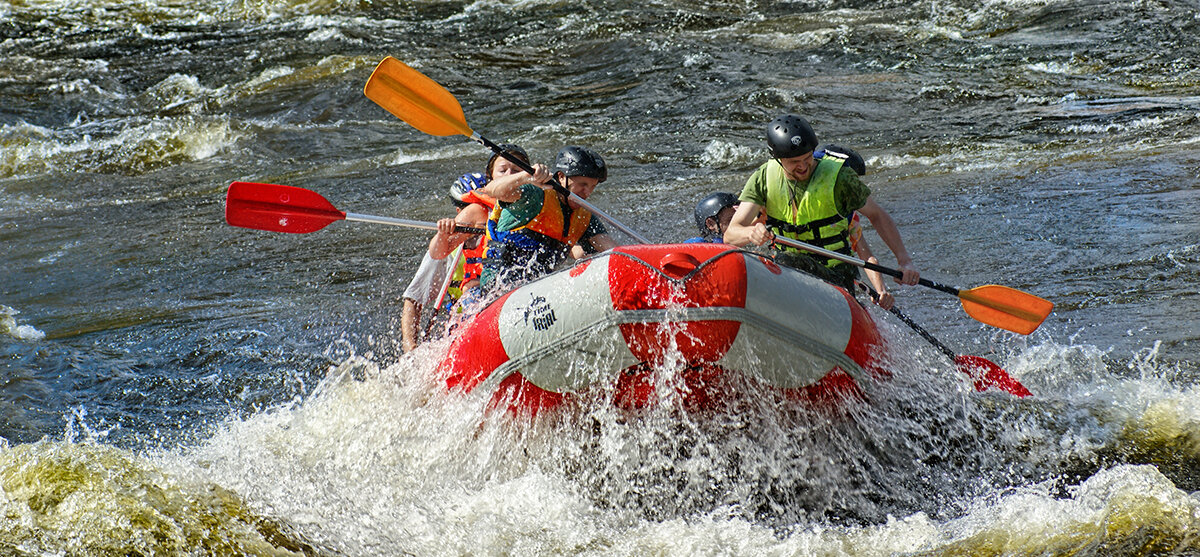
(173, 385)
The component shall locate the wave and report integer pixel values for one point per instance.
(87, 498)
(130, 14)
(176, 120)
(447, 477)
(1125, 510)
(9, 326)
(129, 147)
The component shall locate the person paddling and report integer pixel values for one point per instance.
(715, 211)
(436, 274)
(533, 229)
(473, 205)
(713, 214)
(472, 189)
(810, 200)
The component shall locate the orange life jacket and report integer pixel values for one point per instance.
(536, 247)
(473, 256)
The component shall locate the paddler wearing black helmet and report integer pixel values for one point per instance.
(811, 200)
(533, 228)
(712, 215)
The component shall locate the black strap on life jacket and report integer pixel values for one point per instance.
(814, 228)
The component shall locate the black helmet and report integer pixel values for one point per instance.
(509, 148)
(574, 160)
(708, 208)
(468, 182)
(853, 160)
(790, 136)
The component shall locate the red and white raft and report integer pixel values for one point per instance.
(705, 309)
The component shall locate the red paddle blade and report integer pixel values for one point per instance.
(278, 208)
(988, 375)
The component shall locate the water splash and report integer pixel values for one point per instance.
(379, 460)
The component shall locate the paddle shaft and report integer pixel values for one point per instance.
(999, 306)
(437, 308)
(913, 324)
(983, 372)
(859, 262)
(924, 334)
(409, 223)
(581, 202)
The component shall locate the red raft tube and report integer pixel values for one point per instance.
(707, 309)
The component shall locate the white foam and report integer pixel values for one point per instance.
(268, 75)
(795, 41)
(115, 13)
(723, 154)
(1113, 503)
(1155, 122)
(1057, 68)
(181, 89)
(382, 461)
(82, 86)
(8, 325)
(330, 34)
(457, 151)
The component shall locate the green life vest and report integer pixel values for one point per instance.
(810, 216)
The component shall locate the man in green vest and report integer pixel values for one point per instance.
(811, 201)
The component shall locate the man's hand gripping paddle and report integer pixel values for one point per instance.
(999, 306)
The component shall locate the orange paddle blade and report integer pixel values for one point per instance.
(1007, 308)
(278, 208)
(411, 96)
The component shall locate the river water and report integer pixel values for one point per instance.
(173, 385)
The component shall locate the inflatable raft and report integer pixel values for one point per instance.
(706, 310)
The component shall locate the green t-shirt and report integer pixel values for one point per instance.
(529, 206)
(849, 192)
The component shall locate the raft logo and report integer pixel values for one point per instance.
(539, 313)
